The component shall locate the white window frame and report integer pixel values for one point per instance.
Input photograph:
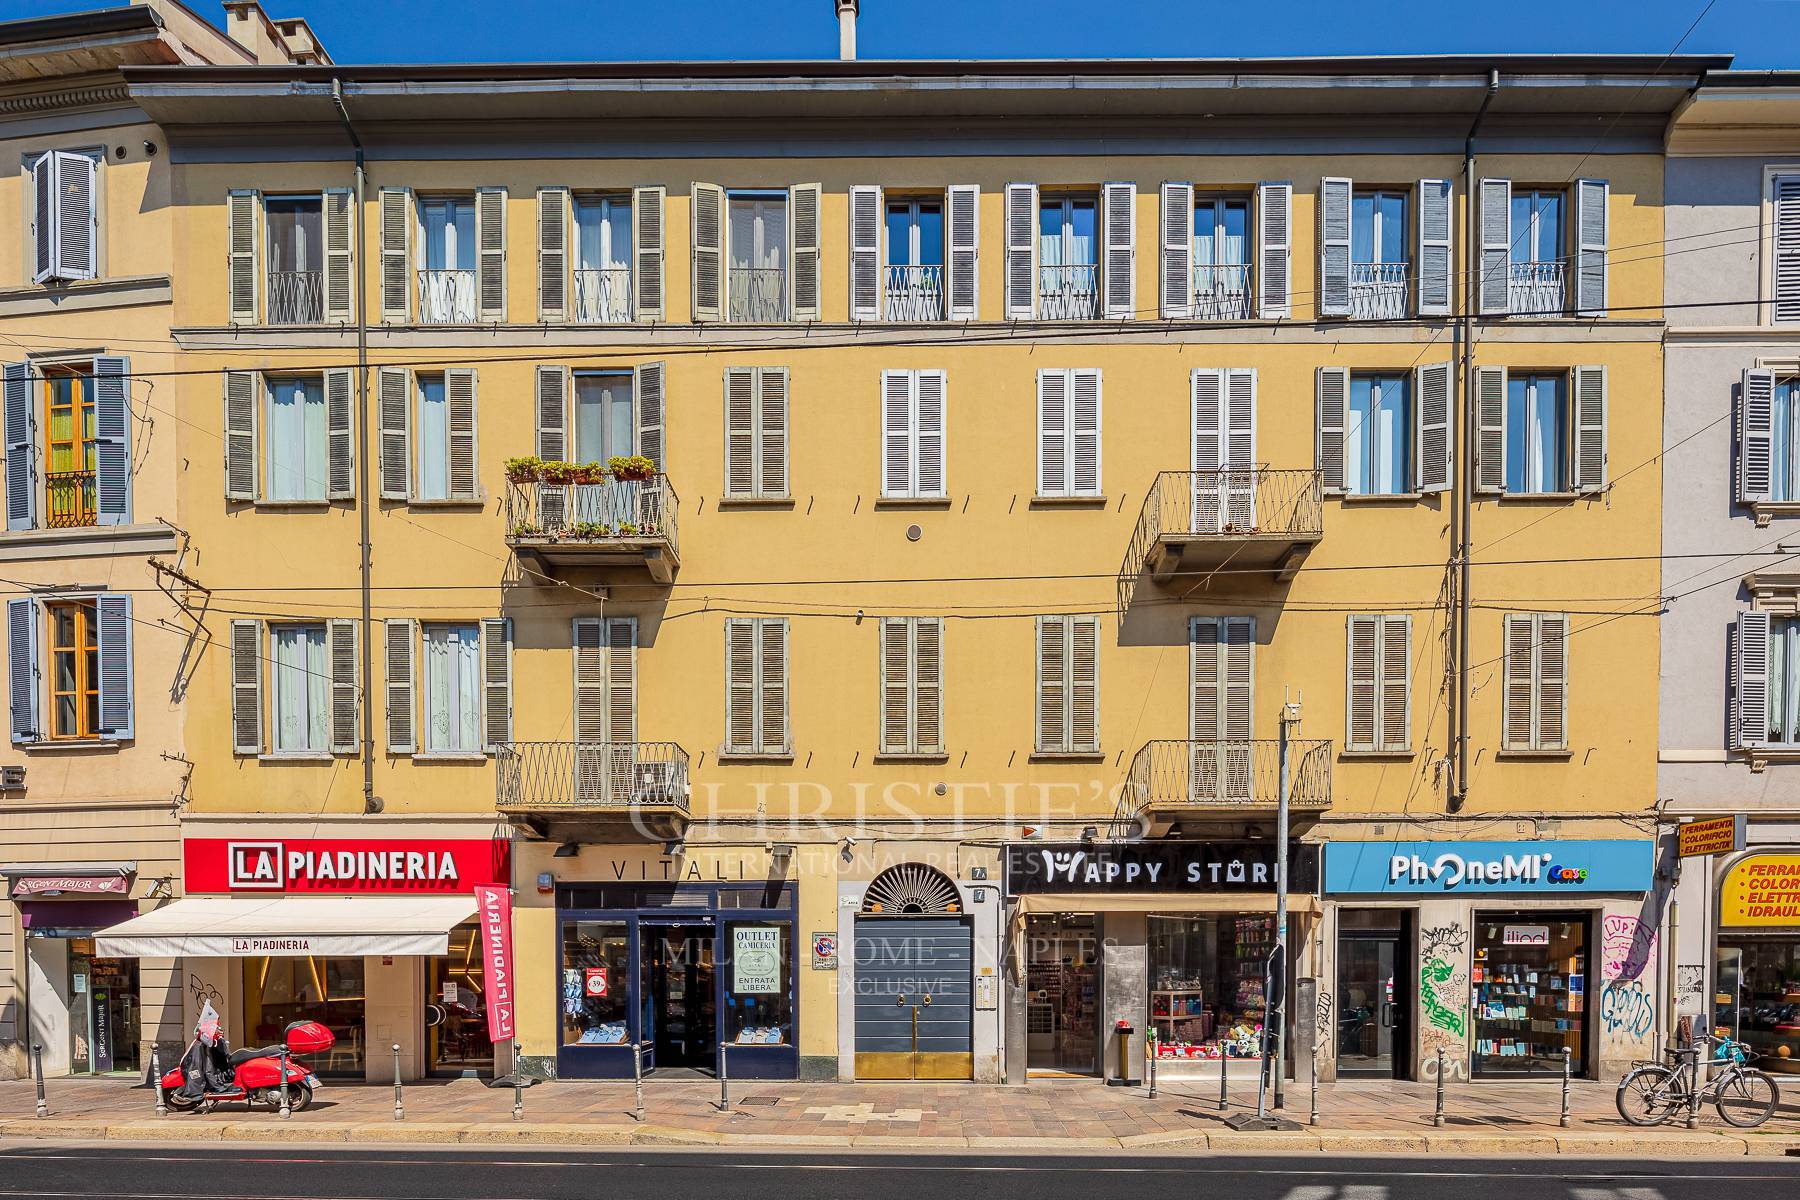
(1409, 423)
(28, 205)
(1564, 460)
(1406, 219)
(422, 682)
(606, 202)
(272, 683)
(265, 466)
(911, 204)
(913, 490)
(424, 200)
(913, 747)
(761, 746)
(1528, 236)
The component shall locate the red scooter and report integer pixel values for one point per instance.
(254, 1075)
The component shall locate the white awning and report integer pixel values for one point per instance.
(289, 927)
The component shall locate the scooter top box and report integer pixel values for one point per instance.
(309, 1037)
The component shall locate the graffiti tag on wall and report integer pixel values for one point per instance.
(1625, 1010)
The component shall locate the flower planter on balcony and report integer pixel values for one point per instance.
(561, 520)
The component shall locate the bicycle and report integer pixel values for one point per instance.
(1652, 1093)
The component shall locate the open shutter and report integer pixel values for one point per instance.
(589, 640)
(553, 253)
(340, 639)
(241, 212)
(460, 398)
(1363, 667)
(496, 682)
(43, 217)
(1084, 685)
(1431, 385)
(22, 669)
(647, 402)
(1205, 634)
(897, 433)
(1052, 684)
(552, 413)
(964, 241)
(1519, 688)
(1496, 245)
(1334, 247)
(771, 418)
(771, 698)
(396, 284)
(399, 638)
(393, 386)
(1490, 429)
(865, 253)
(1021, 251)
(246, 687)
(1274, 231)
(1053, 433)
(1177, 251)
(1084, 432)
(112, 449)
(241, 390)
(1589, 473)
(740, 431)
(340, 255)
(1552, 681)
(77, 222)
(928, 685)
(647, 235)
(19, 415)
(709, 250)
(896, 685)
(1395, 700)
(490, 246)
(1333, 387)
(740, 685)
(340, 450)
(1785, 248)
(929, 433)
(1750, 684)
(1756, 436)
(1434, 247)
(1118, 229)
(803, 251)
(1590, 246)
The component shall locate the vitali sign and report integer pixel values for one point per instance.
(1487, 868)
(340, 865)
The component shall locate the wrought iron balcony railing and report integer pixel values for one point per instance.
(613, 512)
(1069, 293)
(71, 499)
(913, 293)
(1378, 290)
(1222, 292)
(296, 297)
(1536, 288)
(757, 295)
(1230, 773)
(577, 776)
(447, 297)
(603, 294)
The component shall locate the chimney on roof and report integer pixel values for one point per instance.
(846, 11)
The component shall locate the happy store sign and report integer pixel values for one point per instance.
(1486, 868)
(1195, 867)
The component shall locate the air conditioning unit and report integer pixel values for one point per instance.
(659, 783)
(12, 779)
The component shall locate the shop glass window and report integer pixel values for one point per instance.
(759, 1004)
(294, 428)
(74, 670)
(331, 991)
(459, 1042)
(1206, 984)
(1537, 433)
(1378, 437)
(1529, 983)
(596, 973)
(300, 688)
(1757, 998)
(453, 689)
(69, 449)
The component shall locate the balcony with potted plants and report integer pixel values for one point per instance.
(619, 513)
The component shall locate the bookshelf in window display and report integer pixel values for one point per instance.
(1526, 1011)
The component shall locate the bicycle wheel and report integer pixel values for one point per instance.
(1649, 1095)
(1747, 1098)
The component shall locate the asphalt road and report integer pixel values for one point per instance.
(52, 1172)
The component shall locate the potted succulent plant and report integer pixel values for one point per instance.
(524, 470)
(630, 466)
(557, 472)
(525, 529)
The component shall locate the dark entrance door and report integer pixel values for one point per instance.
(914, 1002)
(677, 993)
(1374, 1004)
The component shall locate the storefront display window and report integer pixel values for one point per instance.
(1758, 998)
(759, 1008)
(1206, 973)
(103, 1011)
(595, 967)
(280, 991)
(1529, 983)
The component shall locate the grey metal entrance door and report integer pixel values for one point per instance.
(914, 998)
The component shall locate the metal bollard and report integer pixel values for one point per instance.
(37, 1069)
(162, 1105)
(1699, 1081)
(724, 1082)
(1437, 1118)
(637, 1079)
(518, 1084)
(1224, 1057)
(1564, 1121)
(286, 1111)
(1150, 1052)
(1314, 1118)
(399, 1102)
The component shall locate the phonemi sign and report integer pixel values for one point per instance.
(337, 866)
(1488, 868)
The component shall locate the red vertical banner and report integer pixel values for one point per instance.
(493, 908)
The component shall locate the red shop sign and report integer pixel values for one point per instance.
(345, 865)
(494, 909)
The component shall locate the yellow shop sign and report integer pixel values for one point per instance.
(1763, 890)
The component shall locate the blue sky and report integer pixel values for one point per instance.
(1762, 33)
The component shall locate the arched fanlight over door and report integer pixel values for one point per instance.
(912, 889)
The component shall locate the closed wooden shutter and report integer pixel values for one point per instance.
(1205, 681)
(1333, 395)
(490, 247)
(1274, 256)
(1053, 433)
(804, 201)
(246, 687)
(1084, 432)
(1206, 450)
(242, 390)
(393, 403)
(865, 252)
(1052, 684)
(1490, 429)
(1751, 666)
(648, 396)
(460, 398)
(772, 439)
(1395, 729)
(1362, 671)
(1118, 229)
(621, 706)
(928, 685)
(1334, 247)
(647, 204)
(552, 413)
(22, 667)
(740, 685)
(896, 685)
(1519, 687)
(242, 208)
(1177, 251)
(112, 615)
(1785, 247)
(708, 208)
(912, 672)
(396, 230)
(1496, 245)
(340, 639)
(340, 433)
(929, 431)
(399, 637)
(112, 441)
(1240, 447)
(589, 653)
(1240, 643)
(1432, 387)
(18, 412)
(1756, 436)
(740, 431)
(553, 253)
(1021, 251)
(1591, 198)
(963, 237)
(496, 682)
(1084, 685)
(771, 685)
(897, 475)
(1434, 247)
(1589, 473)
(340, 255)
(1552, 681)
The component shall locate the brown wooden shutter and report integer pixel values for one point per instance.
(400, 639)
(1396, 682)
(460, 398)
(553, 253)
(340, 638)
(740, 685)
(246, 687)
(490, 247)
(1363, 669)
(393, 404)
(496, 681)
